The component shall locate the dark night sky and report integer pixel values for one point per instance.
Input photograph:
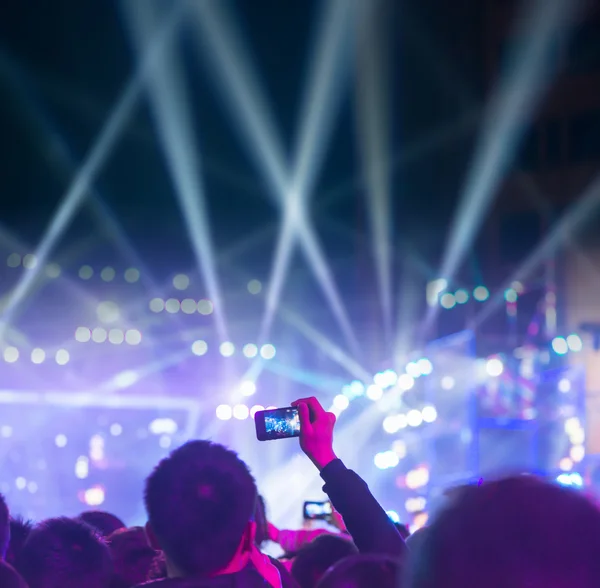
(64, 63)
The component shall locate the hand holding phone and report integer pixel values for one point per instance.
(279, 423)
(317, 511)
(316, 431)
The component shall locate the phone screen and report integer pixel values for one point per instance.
(279, 423)
(317, 510)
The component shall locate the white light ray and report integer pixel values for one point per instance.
(88, 171)
(171, 106)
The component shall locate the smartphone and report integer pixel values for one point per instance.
(279, 423)
(317, 511)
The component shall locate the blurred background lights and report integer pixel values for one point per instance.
(357, 388)
(38, 355)
(417, 478)
(199, 347)
(126, 379)
(97, 448)
(32, 487)
(157, 305)
(414, 418)
(172, 305)
(393, 423)
(99, 335)
(341, 402)
(227, 349)
(83, 334)
(131, 275)
(564, 386)
(116, 336)
(448, 301)
(247, 388)
(405, 382)
(241, 412)
(415, 504)
(386, 460)
(429, 414)
(572, 480)
(374, 392)
(494, 367)
(574, 343)
(60, 440)
(565, 464)
(434, 290)
(399, 448)
(205, 307)
(481, 293)
(165, 441)
(53, 270)
(116, 429)
(254, 287)
(21, 483)
(577, 453)
(412, 369)
(461, 297)
(250, 350)
(447, 383)
(108, 274)
(181, 282)
(82, 467)
(29, 261)
(511, 295)
(6, 431)
(94, 496)
(13, 260)
(425, 366)
(133, 337)
(11, 354)
(86, 272)
(560, 345)
(256, 408)
(108, 312)
(223, 412)
(188, 306)
(267, 351)
(163, 426)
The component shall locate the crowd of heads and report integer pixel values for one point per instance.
(206, 520)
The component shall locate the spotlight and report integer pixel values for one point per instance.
(133, 337)
(29, 261)
(38, 355)
(414, 418)
(181, 282)
(461, 297)
(560, 346)
(108, 274)
(448, 301)
(341, 402)
(172, 305)
(116, 336)
(199, 348)
(224, 412)
(374, 392)
(412, 369)
(429, 414)
(188, 306)
(267, 351)
(405, 382)
(256, 408)
(254, 287)
(425, 366)
(205, 307)
(13, 260)
(11, 354)
(575, 343)
(86, 272)
(227, 349)
(62, 357)
(53, 270)
(481, 293)
(132, 275)
(247, 388)
(494, 367)
(447, 383)
(564, 386)
(241, 412)
(157, 305)
(250, 350)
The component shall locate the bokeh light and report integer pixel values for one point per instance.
(181, 282)
(11, 354)
(267, 351)
(38, 355)
(86, 272)
(131, 275)
(62, 357)
(241, 412)
(481, 293)
(250, 350)
(254, 287)
(172, 305)
(227, 349)
(205, 307)
(157, 305)
(133, 337)
(199, 347)
(108, 274)
(224, 412)
(560, 346)
(494, 367)
(247, 388)
(188, 306)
